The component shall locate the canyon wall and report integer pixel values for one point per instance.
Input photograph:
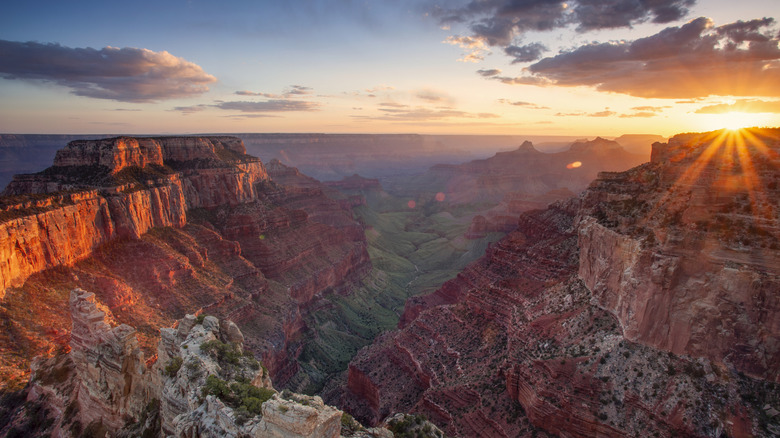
(206, 230)
(53, 228)
(645, 307)
(685, 248)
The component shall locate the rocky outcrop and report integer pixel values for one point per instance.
(207, 229)
(109, 365)
(75, 224)
(121, 152)
(682, 248)
(52, 229)
(203, 384)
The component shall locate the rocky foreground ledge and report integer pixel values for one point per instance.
(203, 384)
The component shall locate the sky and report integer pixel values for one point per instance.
(575, 67)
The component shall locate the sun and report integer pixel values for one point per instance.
(733, 121)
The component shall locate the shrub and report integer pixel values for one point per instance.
(216, 387)
(173, 366)
(241, 396)
(228, 353)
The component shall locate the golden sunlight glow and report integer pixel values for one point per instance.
(733, 120)
(733, 151)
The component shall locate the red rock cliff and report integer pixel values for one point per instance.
(60, 229)
(581, 324)
(684, 250)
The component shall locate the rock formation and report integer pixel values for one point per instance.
(200, 226)
(44, 227)
(643, 308)
(686, 247)
(202, 385)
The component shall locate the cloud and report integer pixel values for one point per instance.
(434, 96)
(523, 104)
(523, 80)
(292, 91)
(275, 105)
(526, 53)
(382, 87)
(655, 109)
(192, 109)
(500, 22)
(298, 90)
(268, 106)
(639, 114)
(488, 73)
(476, 47)
(252, 93)
(248, 116)
(691, 61)
(127, 75)
(743, 106)
(393, 105)
(605, 113)
(404, 113)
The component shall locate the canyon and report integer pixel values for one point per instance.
(159, 227)
(647, 306)
(643, 302)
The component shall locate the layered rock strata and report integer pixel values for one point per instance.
(581, 324)
(43, 228)
(686, 247)
(207, 229)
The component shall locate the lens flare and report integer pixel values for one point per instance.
(574, 165)
(440, 196)
(411, 203)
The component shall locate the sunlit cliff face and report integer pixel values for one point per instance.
(720, 187)
(733, 153)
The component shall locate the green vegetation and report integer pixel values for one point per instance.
(413, 252)
(413, 426)
(349, 425)
(241, 395)
(173, 366)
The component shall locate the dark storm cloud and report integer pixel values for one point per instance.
(742, 105)
(526, 53)
(690, 61)
(499, 21)
(127, 75)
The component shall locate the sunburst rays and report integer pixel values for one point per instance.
(725, 167)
